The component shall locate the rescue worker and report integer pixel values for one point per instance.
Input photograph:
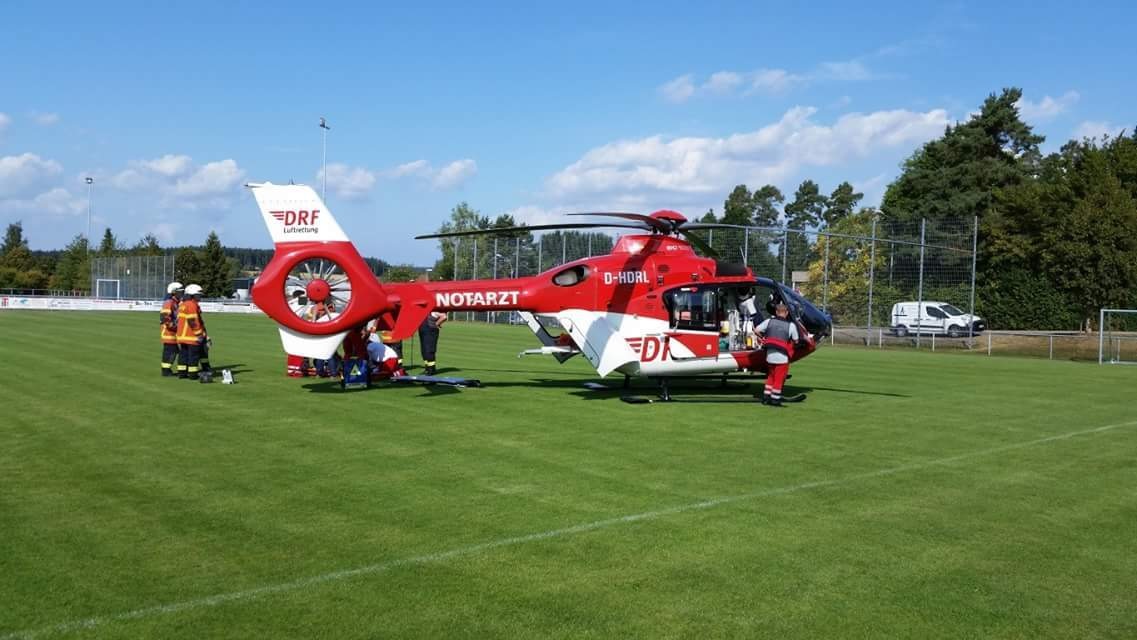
(748, 309)
(191, 333)
(168, 317)
(428, 341)
(777, 336)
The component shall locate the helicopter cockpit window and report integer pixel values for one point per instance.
(693, 308)
(571, 276)
(793, 300)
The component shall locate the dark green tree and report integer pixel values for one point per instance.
(841, 204)
(709, 216)
(73, 271)
(458, 253)
(187, 267)
(807, 207)
(804, 212)
(1089, 250)
(147, 246)
(956, 176)
(738, 207)
(766, 202)
(216, 272)
(13, 238)
(401, 273)
(109, 245)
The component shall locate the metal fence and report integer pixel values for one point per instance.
(855, 272)
(131, 277)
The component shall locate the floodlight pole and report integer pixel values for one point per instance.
(974, 254)
(920, 291)
(90, 181)
(324, 173)
(872, 275)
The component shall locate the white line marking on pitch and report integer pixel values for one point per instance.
(303, 583)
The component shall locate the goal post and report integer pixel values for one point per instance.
(1117, 336)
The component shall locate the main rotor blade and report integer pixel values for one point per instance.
(686, 226)
(536, 227)
(699, 243)
(655, 224)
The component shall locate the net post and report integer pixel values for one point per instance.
(1101, 333)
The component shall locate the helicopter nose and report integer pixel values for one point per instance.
(816, 321)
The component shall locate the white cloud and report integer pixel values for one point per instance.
(725, 83)
(679, 89)
(417, 168)
(773, 80)
(349, 183)
(848, 71)
(60, 201)
(179, 181)
(1048, 107)
(45, 119)
(455, 174)
(692, 169)
(168, 165)
(211, 179)
(26, 174)
(533, 215)
(1096, 129)
(450, 176)
(164, 231)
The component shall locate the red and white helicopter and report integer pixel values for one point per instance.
(651, 308)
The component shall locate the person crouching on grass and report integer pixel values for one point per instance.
(777, 336)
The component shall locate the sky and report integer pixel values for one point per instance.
(532, 109)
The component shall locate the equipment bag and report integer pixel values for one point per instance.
(356, 374)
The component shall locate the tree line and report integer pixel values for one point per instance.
(211, 264)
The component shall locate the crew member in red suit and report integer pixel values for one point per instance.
(778, 335)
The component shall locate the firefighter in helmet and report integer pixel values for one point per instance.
(191, 333)
(168, 317)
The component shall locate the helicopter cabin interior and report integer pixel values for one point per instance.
(730, 310)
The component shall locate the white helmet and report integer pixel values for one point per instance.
(193, 290)
(174, 287)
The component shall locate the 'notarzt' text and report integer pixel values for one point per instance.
(476, 299)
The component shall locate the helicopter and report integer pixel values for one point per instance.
(651, 308)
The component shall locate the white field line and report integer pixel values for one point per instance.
(304, 583)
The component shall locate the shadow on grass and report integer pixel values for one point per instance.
(690, 390)
(235, 368)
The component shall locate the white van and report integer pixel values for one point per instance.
(937, 318)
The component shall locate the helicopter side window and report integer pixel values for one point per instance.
(571, 276)
(693, 309)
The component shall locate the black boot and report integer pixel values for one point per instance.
(429, 370)
(166, 373)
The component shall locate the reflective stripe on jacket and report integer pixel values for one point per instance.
(169, 319)
(779, 336)
(191, 328)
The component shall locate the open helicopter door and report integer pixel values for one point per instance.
(550, 345)
(598, 341)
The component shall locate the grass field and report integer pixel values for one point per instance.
(912, 495)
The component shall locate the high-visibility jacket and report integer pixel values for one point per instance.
(191, 328)
(168, 316)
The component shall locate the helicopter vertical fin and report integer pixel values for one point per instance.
(598, 341)
(294, 213)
